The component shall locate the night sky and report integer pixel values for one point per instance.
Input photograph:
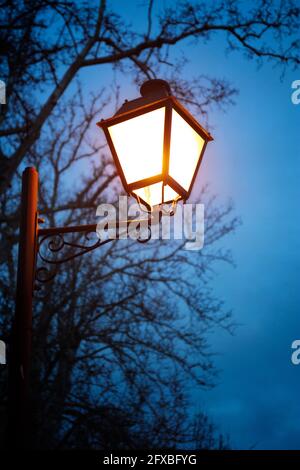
(255, 161)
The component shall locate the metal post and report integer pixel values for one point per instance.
(18, 434)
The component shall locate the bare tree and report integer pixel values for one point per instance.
(115, 350)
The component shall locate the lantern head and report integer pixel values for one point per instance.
(157, 145)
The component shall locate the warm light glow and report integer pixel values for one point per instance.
(139, 145)
(185, 149)
(153, 194)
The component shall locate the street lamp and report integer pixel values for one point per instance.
(157, 147)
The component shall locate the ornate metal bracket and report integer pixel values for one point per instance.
(54, 248)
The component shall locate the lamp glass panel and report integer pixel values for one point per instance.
(139, 145)
(153, 194)
(169, 194)
(185, 149)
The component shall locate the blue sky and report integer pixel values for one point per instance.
(255, 161)
(262, 176)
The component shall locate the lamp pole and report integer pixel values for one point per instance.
(18, 431)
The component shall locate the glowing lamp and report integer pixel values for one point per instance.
(157, 145)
